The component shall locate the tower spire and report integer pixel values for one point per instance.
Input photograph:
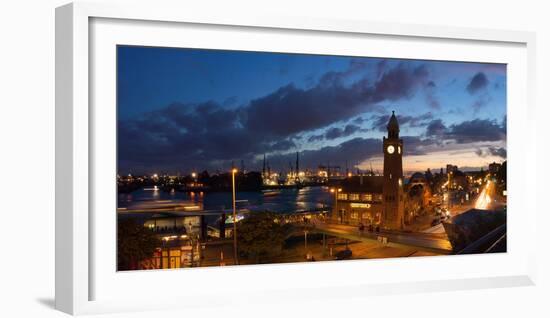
(393, 126)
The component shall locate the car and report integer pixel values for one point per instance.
(344, 254)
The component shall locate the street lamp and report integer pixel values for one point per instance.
(336, 191)
(235, 254)
(305, 240)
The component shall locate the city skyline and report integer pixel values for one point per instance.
(183, 109)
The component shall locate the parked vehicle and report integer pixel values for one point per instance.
(344, 254)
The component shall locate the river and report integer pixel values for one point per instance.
(280, 201)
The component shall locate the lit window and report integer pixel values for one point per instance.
(342, 196)
(354, 197)
(366, 197)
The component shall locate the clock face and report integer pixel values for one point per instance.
(399, 149)
(391, 149)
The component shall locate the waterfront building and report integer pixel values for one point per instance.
(360, 200)
(375, 200)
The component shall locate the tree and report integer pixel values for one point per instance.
(261, 234)
(135, 243)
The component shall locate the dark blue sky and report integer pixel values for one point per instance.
(193, 109)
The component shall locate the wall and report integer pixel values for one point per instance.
(27, 140)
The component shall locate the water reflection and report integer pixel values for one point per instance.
(281, 201)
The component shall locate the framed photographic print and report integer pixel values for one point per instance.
(279, 155)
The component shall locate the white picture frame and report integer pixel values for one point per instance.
(76, 268)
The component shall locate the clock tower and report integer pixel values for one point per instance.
(394, 204)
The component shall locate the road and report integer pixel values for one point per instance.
(430, 242)
(489, 199)
(455, 210)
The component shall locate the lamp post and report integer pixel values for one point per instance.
(305, 240)
(235, 253)
(336, 191)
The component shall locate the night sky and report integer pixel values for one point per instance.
(189, 109)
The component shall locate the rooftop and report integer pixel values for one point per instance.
(363, 184)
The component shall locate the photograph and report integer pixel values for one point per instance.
(229, 157)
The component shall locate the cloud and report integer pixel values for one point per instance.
(210, 135)
(282, 145)
(358, 120)
(231, 101)
(415, 145)
(356, 150)
(281, 112)
(477, 83)
(480, 152)
(481, 101)
(430, 95)
(380, 121)
(337, 132)
(499, 152)
(315, 138)
(400, 82)
(476, 130)
(492, 151)
(435, 128)
(467, 131)
(334, 133)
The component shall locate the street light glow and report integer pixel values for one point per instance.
(484, 199)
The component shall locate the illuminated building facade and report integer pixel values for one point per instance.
(376, 200)
(360, 200)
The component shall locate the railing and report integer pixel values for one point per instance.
(483, 244)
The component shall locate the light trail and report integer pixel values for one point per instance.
(484, 198)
